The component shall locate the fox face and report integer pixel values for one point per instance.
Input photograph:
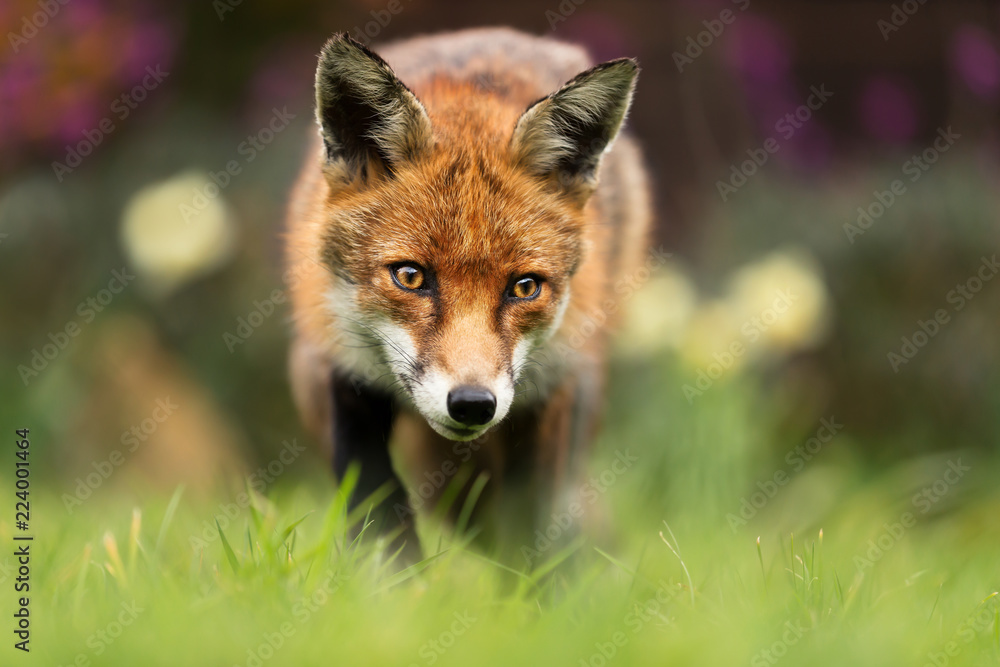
(453, 232)
(454, 295)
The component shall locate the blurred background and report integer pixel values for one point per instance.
(826, 180)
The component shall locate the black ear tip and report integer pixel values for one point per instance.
(342, 45)
(339, 43)
(623, 71)
(625, 64)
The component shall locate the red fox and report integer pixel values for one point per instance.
(451, 239)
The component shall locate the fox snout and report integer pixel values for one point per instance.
(461, 411)
(471, 405)
(466, 387)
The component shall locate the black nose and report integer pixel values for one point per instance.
(472, 406)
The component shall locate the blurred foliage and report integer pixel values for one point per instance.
(186, 193)
(146, 272)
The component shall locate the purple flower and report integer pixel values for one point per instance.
(150, 43)
(62, 82)
(887, 110)
(758, 50)
(975, 59)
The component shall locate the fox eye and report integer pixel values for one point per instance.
(407, 276)
(527, 287)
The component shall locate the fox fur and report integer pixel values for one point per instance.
(472, 160)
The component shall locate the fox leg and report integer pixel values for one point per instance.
(546, 468)
(532, 464)
(361, 425)
(533, 461)
(441, 469)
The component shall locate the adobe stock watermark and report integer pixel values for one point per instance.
(259, 481)
(121, 108)
(975, 624)
(786, 127)
(32, 24)
(914, 169)
(265, 308)
(624, 289)
(363, 33)
(432, 649)
(381, 18)
(370, 373)
(248, 150)
(957, 298)
(898, 17)
(637, 618)
(131, 440)
(223, 7)
(779, 648)
(87, 311)
(565, 9)
(589, 492)
(697, 44)
(923, 500)
(302, 609)
(247, 325)
(366, 371)
(100, 641)
(796, 459)
(435, 480)
(752, 329)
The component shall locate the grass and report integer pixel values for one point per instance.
(820, 574)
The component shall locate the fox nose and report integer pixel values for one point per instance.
(472, 406)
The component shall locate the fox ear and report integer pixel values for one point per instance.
(369, 120)
(565, 134)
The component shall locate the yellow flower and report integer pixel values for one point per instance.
(177, 230)
(713, 338)
(780, 301)
(658, 314)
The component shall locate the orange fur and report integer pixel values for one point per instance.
(466, 207)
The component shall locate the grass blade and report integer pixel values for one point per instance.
(168, 518)
(760, 559)
(470, 502)
(230, 554)
(291, 527)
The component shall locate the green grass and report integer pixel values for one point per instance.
(666, 579)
